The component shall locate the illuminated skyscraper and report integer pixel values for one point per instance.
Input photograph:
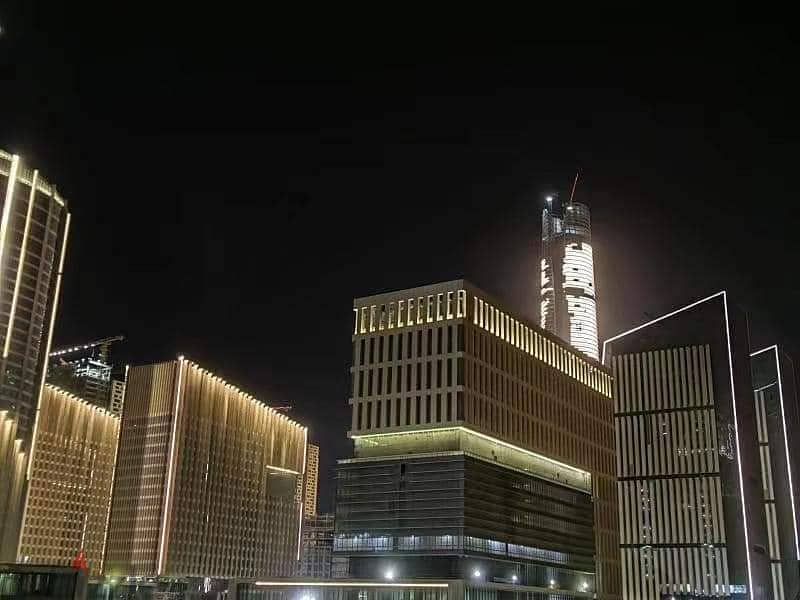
(568, 304)
(206, 480)
(34, 223)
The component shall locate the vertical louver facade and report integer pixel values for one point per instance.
(690, 511)
(71, 479)
(206, 479)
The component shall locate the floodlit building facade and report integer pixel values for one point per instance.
(568, 302)
(689, 479)
(206, 479)
(311, 481)
(34, 224)
(317, 551)
(778, 427)
(71, 479)
(483, 449)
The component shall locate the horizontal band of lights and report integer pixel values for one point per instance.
(233, 388)
(774, 348)
(480, 435)
(24, 176)
(724, 296)
(349, 584)
(530, 341)
(411, 311)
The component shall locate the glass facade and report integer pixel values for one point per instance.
(440, 515)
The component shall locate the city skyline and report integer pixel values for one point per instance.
(672, 172)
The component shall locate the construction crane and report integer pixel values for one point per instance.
(105, 343)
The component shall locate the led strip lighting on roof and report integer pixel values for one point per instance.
(724, 296)
(480, 435)
(774, 347)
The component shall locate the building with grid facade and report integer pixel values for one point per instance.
(777, 428)
(483, 444)
(69, 494)
(692, 521)
(34, 222)
(206, 479)
(311, 481)
(317, 553)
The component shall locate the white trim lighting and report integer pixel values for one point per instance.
(162, 546)
(774, 347)
(480, 435)
(724, 296)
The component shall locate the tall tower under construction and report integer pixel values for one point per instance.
(568, 302)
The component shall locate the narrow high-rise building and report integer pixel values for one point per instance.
(34, 223)
(206, 480)
(483, 451)
(311, 481)
(568, 303)
(691, 509)
(71, 478)
(778, 428)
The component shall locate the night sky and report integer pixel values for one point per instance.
(236, 180)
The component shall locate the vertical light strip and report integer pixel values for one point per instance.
(8, 201)
(738, 452)
(785, 442)
(21, 265)
(303, 488)
(162, 547)
(53, 312)
(111, 490)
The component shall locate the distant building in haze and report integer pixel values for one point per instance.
(206, 480)
(86, 371)
(484, 450)
(317, 552)
(691, 508)
(778, 428)
(568, 303)
(311, 481)
(71, 478)
(34, 223)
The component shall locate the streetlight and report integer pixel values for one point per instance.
(514, 578)
(389, 574)
(476, 573)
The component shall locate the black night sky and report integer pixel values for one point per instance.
(235, 180)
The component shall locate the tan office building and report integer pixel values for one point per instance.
(449, 385)
(71, 479)
(206, 479)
